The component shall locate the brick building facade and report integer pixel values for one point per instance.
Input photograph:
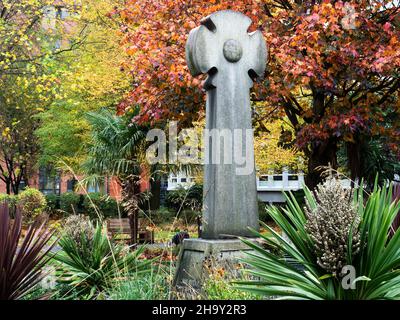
(49, 183)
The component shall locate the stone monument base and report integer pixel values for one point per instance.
(197, 255)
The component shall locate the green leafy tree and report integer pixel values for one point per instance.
(91, 78)
(21, 99)
(28, 83)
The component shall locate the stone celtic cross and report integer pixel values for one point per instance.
(222, 48)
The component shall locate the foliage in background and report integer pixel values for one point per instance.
(69, 202)
(29, 82)
(98, 203)
(10, 200)
(375, 159)
(273, 148)
(186, 198)
(21, 258)
(377, 264)
(90, 264)
(115, 145)
(53, 203)
(332, 70)
(163, 215)
(90, 79)
(32, 203)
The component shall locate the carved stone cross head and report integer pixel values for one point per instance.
(222, 44)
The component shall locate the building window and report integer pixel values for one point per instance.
(49, 181)
(95, 188)
(71, 184)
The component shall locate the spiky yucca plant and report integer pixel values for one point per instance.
(89, 264)
(21, 258)
(377, 264)
(396, 197)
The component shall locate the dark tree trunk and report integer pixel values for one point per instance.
(130, 193)
(321, 156)
(155, 187)
(8, 187)
(353, 150)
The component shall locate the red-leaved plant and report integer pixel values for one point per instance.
(21, 258)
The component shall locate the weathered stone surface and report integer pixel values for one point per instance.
(196, 253)
(232, 57)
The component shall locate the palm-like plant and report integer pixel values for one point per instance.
(116, 148)
(90, 264)
(21, 260)
(377, 264)
(116, 144)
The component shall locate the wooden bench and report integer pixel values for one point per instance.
(122, 227)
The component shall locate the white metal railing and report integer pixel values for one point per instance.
(265, 183)
(180, 180)
(280, 182)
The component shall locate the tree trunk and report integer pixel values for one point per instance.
(155, 187)
(321, 156)
(8, 187)
(130, 194)
(354, 159)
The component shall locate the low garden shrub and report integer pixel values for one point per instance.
(53, 203)
(98, 203)
(182, 198)
(218, 286)
(32, 203)
(189, 216)
(69, 202)
(166, 215)
(10, 200)
(163, 215)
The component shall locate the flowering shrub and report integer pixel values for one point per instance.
(354, 232)
(332, 223)
(80, 230)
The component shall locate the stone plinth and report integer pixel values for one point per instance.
(196, 254)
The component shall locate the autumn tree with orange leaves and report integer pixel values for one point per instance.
(333, 69)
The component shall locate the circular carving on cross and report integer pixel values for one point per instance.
(233, 50)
